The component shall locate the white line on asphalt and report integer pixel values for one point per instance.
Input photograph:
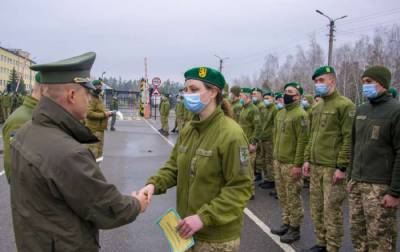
(2, 173)
(250, 214)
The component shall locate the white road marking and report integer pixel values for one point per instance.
(2, 173)
(250, 214)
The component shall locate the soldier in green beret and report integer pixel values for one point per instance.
(164, 112)
(257, 99)
(327, 157)
(267, 126)
(279, 100)
(97, 118)
(209, 172)
(20, 116)
(114, 107)
(235, 102)
(59, 195)
(291, 130)
(374, 176)
(307, 103)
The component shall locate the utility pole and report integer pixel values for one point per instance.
(331, 33)
(221, 62)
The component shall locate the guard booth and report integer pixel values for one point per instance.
(128, 101)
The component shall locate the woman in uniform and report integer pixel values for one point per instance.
(209, 166)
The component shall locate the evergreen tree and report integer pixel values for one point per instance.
(13, 82)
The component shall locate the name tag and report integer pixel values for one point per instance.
(361, 117)
(205, 153)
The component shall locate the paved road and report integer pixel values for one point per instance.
(133, 153)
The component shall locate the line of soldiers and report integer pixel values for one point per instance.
(9, 102)
(293, 136)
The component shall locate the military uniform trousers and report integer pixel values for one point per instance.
(97, 148)
(326, 207)
(164, 123)
(6, 112)
(289, 194)
(264, 160)
(203, 246)
(373, 227)
(113, 119)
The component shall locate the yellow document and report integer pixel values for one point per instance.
(168, 223)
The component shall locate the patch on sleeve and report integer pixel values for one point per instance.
(244, 159)
(375, 132)
(352, 113)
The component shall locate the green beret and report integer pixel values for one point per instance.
(296, 86)
(246, 90)
(268, 92)
(71, 70)
(97, 82)
(380, 74)
(323, 70)
(207, 75)
(37, 77)
(256, 89)
(278, 95)
(309, 98)
(235, 90)
(393, 91)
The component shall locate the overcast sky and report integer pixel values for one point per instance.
(178, 34)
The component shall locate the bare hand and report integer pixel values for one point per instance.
(148, 190)
(390, 202)
(296, 172)
(142, 199)
(338, 176)
(252, 148)
(108, 113)
(189, 226)
(350, 186)
(306, 169)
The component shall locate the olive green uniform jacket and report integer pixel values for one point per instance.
(376, 144)
(250, 122)
(209, 165)
(290, 134)
(13, 123)
(96, 119)
(267, 122)
(179, 110)
(59, 196)
(330, 138)
(114, 104)
(6, 101)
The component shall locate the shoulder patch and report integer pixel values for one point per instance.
(12, 136)
(244, 159)
(352, 113)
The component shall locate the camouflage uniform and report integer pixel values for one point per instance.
(179, 112)
(329, 149)
(97, 122)
(373, 227)
(260, 157)
(164, 112)
(203, 246)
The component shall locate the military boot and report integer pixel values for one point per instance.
(281, 230)
(292, 235)
(316, 248)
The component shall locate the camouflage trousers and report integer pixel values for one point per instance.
(97, 148)
(203, 246)
(373, 227)
(264, 161)
(164, 123)
(289, 194)
(326, 207)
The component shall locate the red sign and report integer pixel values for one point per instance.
(155, 91)
(156, 81)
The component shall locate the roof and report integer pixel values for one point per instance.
(16, 54)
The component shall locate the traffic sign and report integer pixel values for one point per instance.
(155, 91)
(156, 81)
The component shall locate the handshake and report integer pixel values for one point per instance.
(144, 196)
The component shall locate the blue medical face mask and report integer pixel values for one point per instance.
(241, 101)
(267, 102)
(369, 90)
(321, 89)
(193, 103)
(279, 106)
(305, 104)
(254, 99)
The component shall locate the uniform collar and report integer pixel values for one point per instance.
(384, 97)
(292, 105)
(332, 96)
(49, 113)
(201, 125)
